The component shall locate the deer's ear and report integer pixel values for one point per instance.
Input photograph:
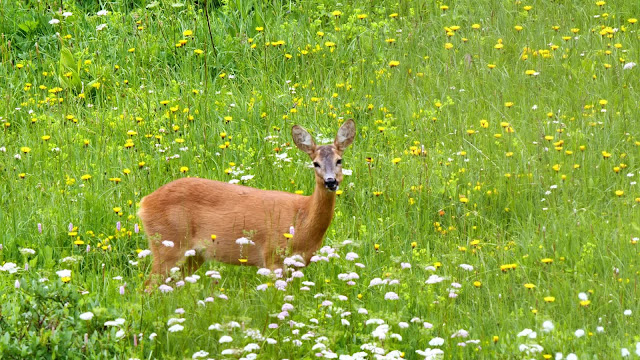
(303, 139)
(345, 135)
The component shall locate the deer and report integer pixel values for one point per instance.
(236, 224)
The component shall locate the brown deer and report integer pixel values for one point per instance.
(236, 224)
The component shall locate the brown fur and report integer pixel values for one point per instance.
(188, 211)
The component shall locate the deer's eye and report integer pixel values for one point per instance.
(339, 162)
(315, 164)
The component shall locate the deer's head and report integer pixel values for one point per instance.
(327, 159)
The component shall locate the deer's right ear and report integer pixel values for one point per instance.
(303, 140)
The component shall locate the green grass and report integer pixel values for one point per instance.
(551, 176)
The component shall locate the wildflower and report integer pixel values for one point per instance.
(391, 296)
(549, 299)
(394, 63)
(225, 339)
(54, 21)
(547, 326)
(579, 333)
(176, 328)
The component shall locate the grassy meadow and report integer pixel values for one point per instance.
(491, 209)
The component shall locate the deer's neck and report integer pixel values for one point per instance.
(318, 212)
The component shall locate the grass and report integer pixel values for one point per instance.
(499, 136)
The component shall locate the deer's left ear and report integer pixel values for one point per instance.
(345, 135)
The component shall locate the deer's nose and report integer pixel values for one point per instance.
(331, 184)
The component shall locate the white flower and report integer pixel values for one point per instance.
(572, 356)
(405, 265)
(547, 326)
(116, 322)
(168, 243)
(625, 352)
(54, 21)
(345, 322)
(27, 251)
(86, 316)
(583, 296)
(579, 333)
(64, 273)
(466, 267)
(262, 287)
(600, 329)
(434, 279)
(67, 14)
(176, 328)
(252, 347)
(431, 354)
(246, 177)
(347, 172)
(144, 253)
(9, 267)
(460, 333)
(391, 296)
(102, 13)
(381, 332)
(351, 256)
(199, 354)
(165, 288)
(101, 27)
(528, 333)
(264, 272)
(225, 339)
(403, 325)
(436, 341)
(244, 241)
(152, 336)
(172, 321)
(629, 66)
(120, 334)
(627, 312)
(190, 253)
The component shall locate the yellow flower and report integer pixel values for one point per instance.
(198, 51)
(477, 284)
(619, 192)
(25, 149)
(184, 169)
(394, 63)
(549, 299)
(508, 104)
(376, 247)
(362, 16)
(259, 28)
(117, 209)
(475, 26)
(395, 15)
(329, 44)
(187, 33)
(396, 160)
(448, 46)
(585, 303)
(529, 286)
(336, 13)
(131, 50)
(46, 137)
(632, 21)
(288, 235)
(546, 261)
(518, 28)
